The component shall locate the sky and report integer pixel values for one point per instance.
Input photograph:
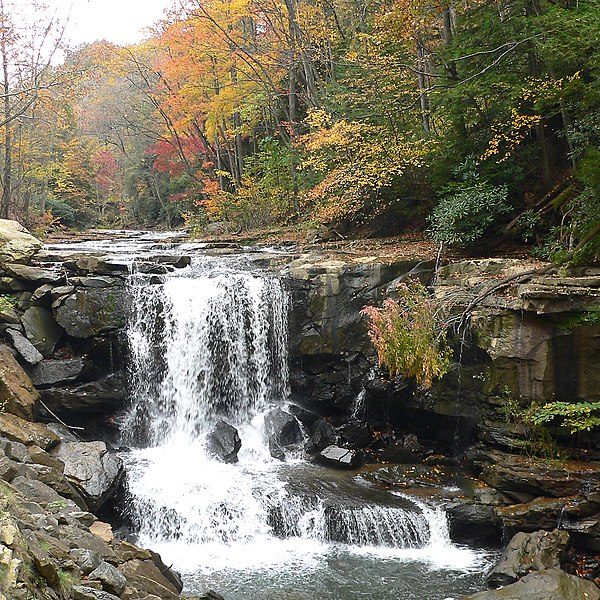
(118, 21)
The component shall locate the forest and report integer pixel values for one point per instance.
(477, 121)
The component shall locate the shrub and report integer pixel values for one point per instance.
(468, 209)
(575, 416)
(409, 335)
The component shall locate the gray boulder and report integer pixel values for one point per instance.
(86, 560)
(224, 442)
(552, 584)
(41, 329)
(112, 579)
(282, 430)
(24, 347)
(344, 458)
(92, 469)
(91, 311)
(51, 372)
(17, 245)
(528, 552)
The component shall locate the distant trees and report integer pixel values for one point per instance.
(358, 114)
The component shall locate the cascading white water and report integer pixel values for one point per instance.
(210, 343)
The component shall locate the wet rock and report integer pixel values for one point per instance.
(18, 430)
(17, 394)
(211, 595)
(172, 576)
(92, 469)
(35, 275)
(471, 521)
(355, 434)
(41, 329)
(405, 451)
(345, 458)
(528, 552)
(51, 372)
(17, 245)
(515, 473)
(91, 311)
(112, 579)
(551, 584)
(224, 442)
(282, 430)
(24, 347)
(102, 396)
(320, 435)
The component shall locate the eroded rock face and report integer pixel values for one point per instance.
(17, 245)
(529, 552)
(551, 584)
(92, 469)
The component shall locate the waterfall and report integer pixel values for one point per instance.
(209, 343)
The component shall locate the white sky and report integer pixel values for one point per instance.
(118, 21)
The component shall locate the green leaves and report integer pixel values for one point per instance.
(575, 416)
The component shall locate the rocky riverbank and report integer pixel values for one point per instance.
(64, 359)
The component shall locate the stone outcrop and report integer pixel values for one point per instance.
(529, 552)
(551, 584)
(17, 245)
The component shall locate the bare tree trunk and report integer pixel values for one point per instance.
(423, 97)
(7, 168)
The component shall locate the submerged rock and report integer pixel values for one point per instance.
(528, 552)
(551, 584)
(340, 457)
(224, 442)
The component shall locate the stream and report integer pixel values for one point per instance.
(209, 343)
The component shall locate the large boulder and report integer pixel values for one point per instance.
(92, 469)
(283, 430)
(528, 552)
(224, 442)
(31, 434)
(41, 329)
(17, 245)
(51, 372)
(91, 311)
(35, 275)
(551, 584)
(94, 397)
(17, 394)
